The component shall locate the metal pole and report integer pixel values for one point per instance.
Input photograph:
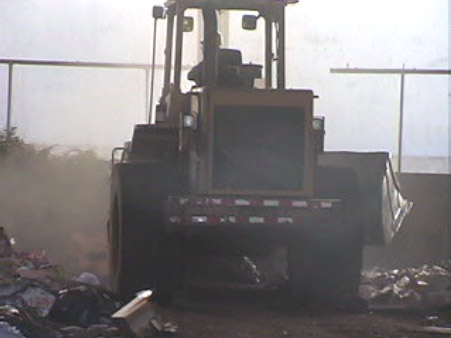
(152, 79)
(268, 52)
(401, 122)
(281, 51)
(9, 101)
(178, 47)
(147, 94)
(168, 51)
(200, 35)
(224, 27)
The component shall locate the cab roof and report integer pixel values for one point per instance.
(230, 4)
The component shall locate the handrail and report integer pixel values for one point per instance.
(62, 63)
(417, 71)
(402, 72)
(85, 64)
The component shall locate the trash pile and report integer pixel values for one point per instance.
(412, 288)
(38, 300)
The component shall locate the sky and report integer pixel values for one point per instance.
(98, 108)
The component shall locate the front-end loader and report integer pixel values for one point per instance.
(235, 166)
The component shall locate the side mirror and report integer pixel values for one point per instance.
(188, 24)
(249, 22)
(157, 12)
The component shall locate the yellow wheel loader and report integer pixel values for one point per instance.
(235, 166)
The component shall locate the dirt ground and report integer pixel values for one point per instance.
(256, 315)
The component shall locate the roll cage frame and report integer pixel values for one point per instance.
(273, 12)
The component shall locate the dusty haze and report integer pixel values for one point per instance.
(57, 203)
(60, 202)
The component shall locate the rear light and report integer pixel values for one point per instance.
(189, 121)
(318, 123)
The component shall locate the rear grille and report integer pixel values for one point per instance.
(258, 148)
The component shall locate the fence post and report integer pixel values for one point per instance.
(9, 100)
(401, 122)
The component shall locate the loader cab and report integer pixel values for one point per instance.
(221, 61)
(228, 119)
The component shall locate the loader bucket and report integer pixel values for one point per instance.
(384, 207)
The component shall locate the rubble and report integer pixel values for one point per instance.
(82, 306)
(437, 330)
(8, 331)
(88, 278)
(136, 314)
(412, 288)
(139, 317)
(39, 300)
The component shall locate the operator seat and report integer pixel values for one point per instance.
(229, 64)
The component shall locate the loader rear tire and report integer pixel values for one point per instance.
(142, 256)
(324, 271)
(328, 268)
(132, 262)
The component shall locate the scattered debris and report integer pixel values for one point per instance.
(8, 331)
(139, 317)
(137, 313)
(82, 306)
(163, 328)
(5, 244)
(37, 300)
(265, 271)
(423, 287)
(88, 278)
(434, 329)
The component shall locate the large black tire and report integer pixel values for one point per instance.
(324, 270)
(142, 255)
(327, 267)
